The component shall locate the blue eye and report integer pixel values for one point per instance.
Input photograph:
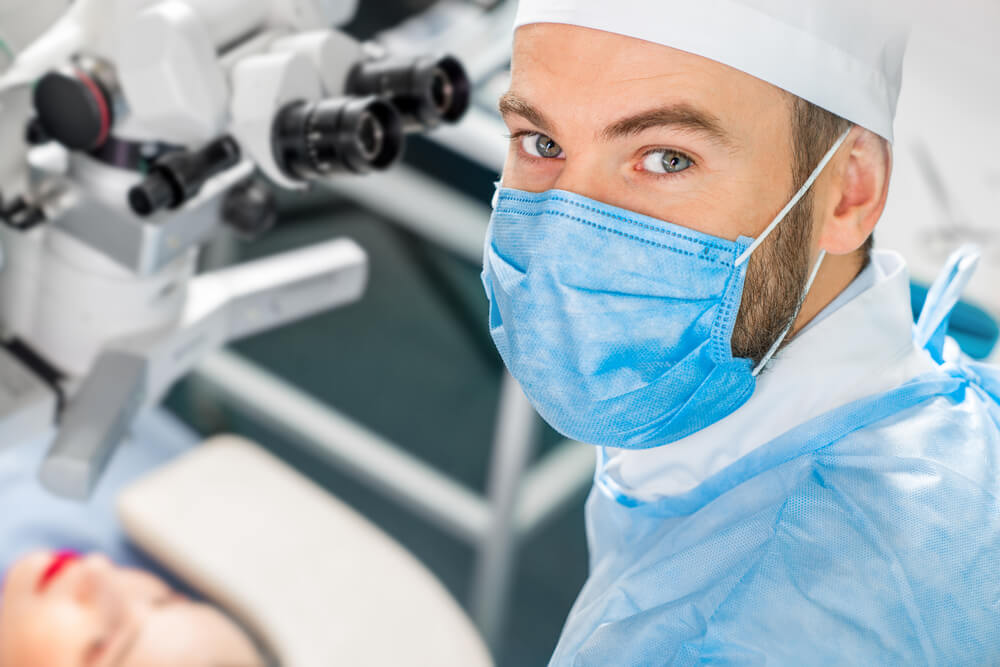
(539, 145)
(666, 162)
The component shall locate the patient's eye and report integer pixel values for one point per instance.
(539, 145)
(666, 161)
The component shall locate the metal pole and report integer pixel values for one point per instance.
(552, 484)
(513, 446)
(218, 253)
(337, 440)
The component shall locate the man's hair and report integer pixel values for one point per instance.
(814, 130)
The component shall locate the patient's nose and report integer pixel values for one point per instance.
(89, 581)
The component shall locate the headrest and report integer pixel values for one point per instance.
(312, 579)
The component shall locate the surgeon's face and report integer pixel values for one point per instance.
(666, 134)
(63, 611)
(648, 128)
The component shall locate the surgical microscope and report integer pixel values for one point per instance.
(132, 132)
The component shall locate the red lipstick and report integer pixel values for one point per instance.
(59, 562)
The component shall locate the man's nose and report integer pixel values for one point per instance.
(586, 173)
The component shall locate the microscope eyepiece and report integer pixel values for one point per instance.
(312, 140)
(426, 91)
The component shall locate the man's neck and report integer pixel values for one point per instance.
(836, 273)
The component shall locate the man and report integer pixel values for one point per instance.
(680, 272)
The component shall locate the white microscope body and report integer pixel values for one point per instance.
(137, 128)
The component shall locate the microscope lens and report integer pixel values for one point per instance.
(370, 136)
(442, 91)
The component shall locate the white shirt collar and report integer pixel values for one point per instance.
(860, 344)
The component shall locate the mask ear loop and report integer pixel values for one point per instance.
(745, 255)
(497, 184)
(795, 200)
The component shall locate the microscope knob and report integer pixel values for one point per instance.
(73, 109)
(250, 208)
(178, 175)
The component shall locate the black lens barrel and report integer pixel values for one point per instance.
(426, 91)
(312, 140)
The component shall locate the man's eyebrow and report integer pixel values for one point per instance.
(511, 104)
(682, 116)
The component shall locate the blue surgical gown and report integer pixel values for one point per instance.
(867, 536)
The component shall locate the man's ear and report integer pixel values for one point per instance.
(859, 186)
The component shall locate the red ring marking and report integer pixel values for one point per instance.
(59, 562)
(102, 106)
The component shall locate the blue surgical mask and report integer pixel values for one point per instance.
(618, 326)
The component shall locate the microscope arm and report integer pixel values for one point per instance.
(138, 128)
(223, 306)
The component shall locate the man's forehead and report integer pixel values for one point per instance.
(606, 77)
(576, 55)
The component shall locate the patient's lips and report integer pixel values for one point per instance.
(59, 562)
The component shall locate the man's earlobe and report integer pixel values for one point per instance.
(860, 190)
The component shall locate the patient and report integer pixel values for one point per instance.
(58, 609)
(61, 610)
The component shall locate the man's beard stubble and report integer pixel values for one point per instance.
(776, 278)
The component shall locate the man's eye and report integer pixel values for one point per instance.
(666, 162)
(539, 145)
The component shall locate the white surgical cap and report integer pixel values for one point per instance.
(845, 56)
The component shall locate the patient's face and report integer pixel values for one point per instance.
(59, 610)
